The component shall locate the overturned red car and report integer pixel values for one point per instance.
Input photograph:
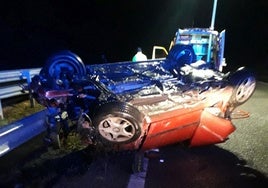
(147, 104)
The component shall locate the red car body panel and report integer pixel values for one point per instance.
(171, 129)
(211, 130)
(195, 123)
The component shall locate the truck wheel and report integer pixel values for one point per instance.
(244, 84)
(118, 122)
(180, 55)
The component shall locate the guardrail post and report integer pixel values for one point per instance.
(26, 73)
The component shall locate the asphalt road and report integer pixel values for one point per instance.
(242, 161)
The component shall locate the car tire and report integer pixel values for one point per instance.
(179, 55)
(244, 84)
(118, 122)
(63, 63)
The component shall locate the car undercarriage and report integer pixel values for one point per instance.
(123, 100)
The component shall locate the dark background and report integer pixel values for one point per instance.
(32, 30)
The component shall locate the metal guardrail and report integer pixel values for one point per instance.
(21, 131)
(10, 81)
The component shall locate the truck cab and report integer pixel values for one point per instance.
(192, 45)
(207, 44)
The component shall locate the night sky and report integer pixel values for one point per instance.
(31, 30)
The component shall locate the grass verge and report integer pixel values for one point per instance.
(18, 111)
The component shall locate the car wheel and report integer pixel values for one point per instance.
(244, 84)
(63, 66)
(180, 55)
(118, 122)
